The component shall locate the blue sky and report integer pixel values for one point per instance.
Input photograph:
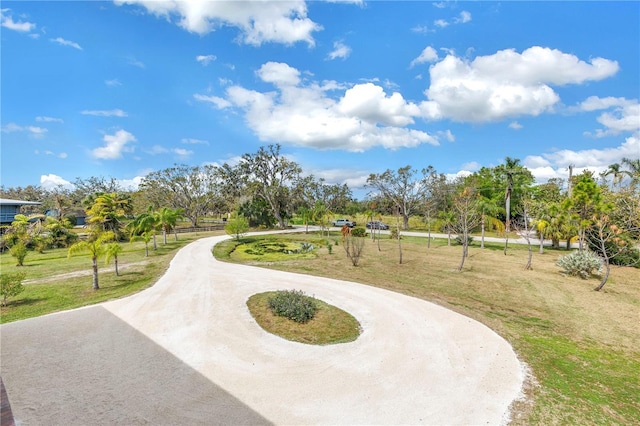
(119, 89)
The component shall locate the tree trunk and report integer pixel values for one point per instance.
(164, 235)
(115, 261)
(605, 277)
(506, 243)
(155, 245)
(146, 249)
(95, 273)
(508, 209)
(405, 220)
(448, 236)
(482, 239)
(541, 243)
(528, 265)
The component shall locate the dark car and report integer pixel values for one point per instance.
(377, 225)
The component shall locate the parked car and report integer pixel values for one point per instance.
(342, 222)
(377, 225)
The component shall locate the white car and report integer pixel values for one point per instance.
(342, 222)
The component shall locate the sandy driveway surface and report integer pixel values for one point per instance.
(187, 351)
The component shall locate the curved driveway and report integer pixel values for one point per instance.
(187, 351)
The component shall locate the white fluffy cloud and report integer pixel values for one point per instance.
(6, 21)
(114, 146)
(52, 181)
(34, 131)
(205, 59)
(507, 83)
(429, 54)
(105, 113)
(623, 115)
(280, 22)
(302, 113)
(555, 164)
(64, 42)
(340, 50)
(49, 119)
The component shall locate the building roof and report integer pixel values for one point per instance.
(8, 202)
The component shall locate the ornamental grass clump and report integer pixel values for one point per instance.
(293, 304)
(582, 263)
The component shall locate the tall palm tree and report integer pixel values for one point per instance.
(615, 170)
(145, 223)
(111, 252)
(509, 170)
(166, 219)
(95, 248)
(634, 169)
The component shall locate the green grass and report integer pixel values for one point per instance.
(55, 282)
(330, 325)
(581, 345)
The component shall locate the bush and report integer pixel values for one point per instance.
(293, 304)
(459, 241)
(11, 285)
(358, 232)
(580, 263)
(19, 251)
(237, 227)
(394, 234)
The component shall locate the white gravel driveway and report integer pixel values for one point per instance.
(414, 363)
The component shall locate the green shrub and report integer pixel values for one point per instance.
(237, 227)
(293, 304)
(358, 232)
(393, 234)
(580, 263)
(11, 285)
(19, 251)
(459, 241)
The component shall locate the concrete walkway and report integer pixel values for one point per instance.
(187, 351)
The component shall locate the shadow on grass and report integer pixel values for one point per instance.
(24, 302)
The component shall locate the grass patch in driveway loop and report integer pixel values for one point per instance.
(329, 325)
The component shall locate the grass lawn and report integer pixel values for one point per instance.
(55, 282)
(581, 345)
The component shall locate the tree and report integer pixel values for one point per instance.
(107, 212)
(447, 219)
(270, 176)
(607, 237)
(616, 171)
(194, 190)
(634, 169)
(403, 188)
(112, 250)
(514, 176)
(95, 248)
(237, 227)
(144, 225)
(353, 246)
(166, 219)
(11, 285)
(19, 251)
(465, 206)
(586, 199)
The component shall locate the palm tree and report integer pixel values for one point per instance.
(146, 223)
(166, 220)
(488, 210)
(108, 210)
(146, 237)
(614, 169)
(634, 169)
(510, 169)
(111, 251)
(95, 248)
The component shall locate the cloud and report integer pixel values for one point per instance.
(113, 83)
(340, 50)
(8, 22)
(182, 153)
(278, 22)
(105, 113)
(35, 131)
(217, 101)
(114, 146)
(51, 181)
(463, 18)
(205, 59)
(49, 120)
(306, 113)
(623, 115)
(157, 149)
(135, 62)
(515, 125)
(64, 42)
(440, 23)
(421, 29)
(51, 153)
(429, 54)
(555, 164)
(193, 141)
(506, 84)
